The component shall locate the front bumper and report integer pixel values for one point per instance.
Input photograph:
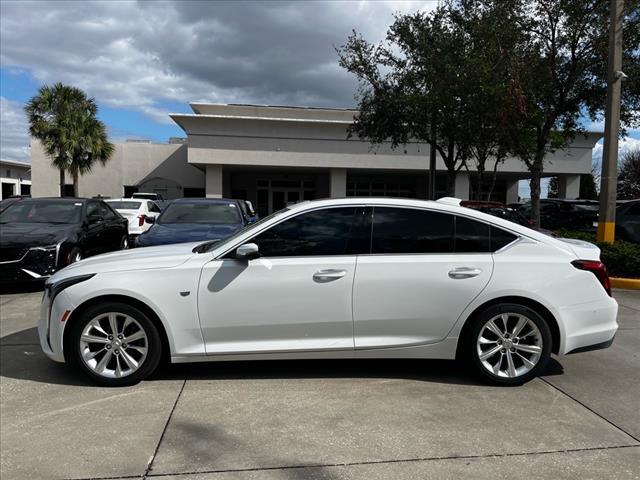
(588, 326)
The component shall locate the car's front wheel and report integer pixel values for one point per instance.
(115, 344)
(508, 344)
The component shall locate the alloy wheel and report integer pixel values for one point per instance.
(113, 345)
(509, 345)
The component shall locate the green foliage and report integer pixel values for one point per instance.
(629, 176)
(621, 258)
(65, 121)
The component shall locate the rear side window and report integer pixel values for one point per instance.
(404, 230)
(472, 236)
(317, 233)
(500, 238)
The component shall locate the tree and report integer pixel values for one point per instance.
(562, 75)
(65, 121)
(439, 78)
(629, 176)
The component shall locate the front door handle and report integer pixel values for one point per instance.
(324, 276)
(464, 272)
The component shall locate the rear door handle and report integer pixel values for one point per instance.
(329, 275)
(464, 272)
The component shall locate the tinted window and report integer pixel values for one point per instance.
(125, 205)
(42, 212)
(317, 233)
(500, 238)
(634, 209)
(107, 212)
(213, 213)
(471, 236)
(403, 230)
(153, 207)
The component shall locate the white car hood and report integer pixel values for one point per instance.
(165, 256)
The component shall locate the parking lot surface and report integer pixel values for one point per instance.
(319, 419)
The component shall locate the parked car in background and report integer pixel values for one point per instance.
(558, 213)
(628, 221)
(139, 213)
(196, 219)
(42, 235)
(340, 278)
(147, 196)
(500, 210)
(162, 204)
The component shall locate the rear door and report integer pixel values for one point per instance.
(425, 267)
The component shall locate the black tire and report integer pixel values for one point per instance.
(124, 242)
(153, 344)
(75, 255)
(471, 356)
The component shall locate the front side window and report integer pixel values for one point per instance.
(317, 233)
(404, 230)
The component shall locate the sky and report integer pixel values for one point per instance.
(144, 60)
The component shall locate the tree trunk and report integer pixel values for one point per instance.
(534, 183)
(62, 180)
(451, 182)
(492, 185)
(75, 184)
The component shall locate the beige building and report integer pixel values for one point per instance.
(276, 155)
(15, 178)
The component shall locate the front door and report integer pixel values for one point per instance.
(295, 297)
(424, 269)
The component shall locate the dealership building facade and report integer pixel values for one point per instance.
(276, 155)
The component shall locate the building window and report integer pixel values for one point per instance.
(8, 173)
(367, 187)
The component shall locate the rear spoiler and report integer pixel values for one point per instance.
(450, 201)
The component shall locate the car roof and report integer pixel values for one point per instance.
(203, 200)
(55, 199)
(128, 200)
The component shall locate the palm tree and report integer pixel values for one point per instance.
(64, 120)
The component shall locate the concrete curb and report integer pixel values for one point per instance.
(628, 283)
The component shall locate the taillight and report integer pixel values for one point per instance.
(598, 269)
(141, 219)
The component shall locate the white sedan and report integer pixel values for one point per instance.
(342, 278)
(139, 212)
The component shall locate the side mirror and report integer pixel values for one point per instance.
(248, 251)
(150, 220)
(95, 219)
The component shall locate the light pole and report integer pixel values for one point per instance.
(607, 216)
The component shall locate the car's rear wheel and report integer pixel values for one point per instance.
(508, 344)
(115, 344)
(124, 242)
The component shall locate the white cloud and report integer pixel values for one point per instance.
(139, 55)
(14, 131)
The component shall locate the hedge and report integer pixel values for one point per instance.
(621, 258)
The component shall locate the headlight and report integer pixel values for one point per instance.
(54, 288)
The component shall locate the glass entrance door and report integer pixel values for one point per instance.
(280, 198)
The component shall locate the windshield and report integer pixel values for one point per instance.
(125, 205)
(42, 212)
(205, 213)
(205, 247)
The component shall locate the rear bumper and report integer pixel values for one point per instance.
(588, 326)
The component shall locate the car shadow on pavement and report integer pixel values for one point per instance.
(22, 358)
(13, 288)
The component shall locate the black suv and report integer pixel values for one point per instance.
(558, 213)
(42, 235)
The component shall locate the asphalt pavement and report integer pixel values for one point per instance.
(319, 419)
